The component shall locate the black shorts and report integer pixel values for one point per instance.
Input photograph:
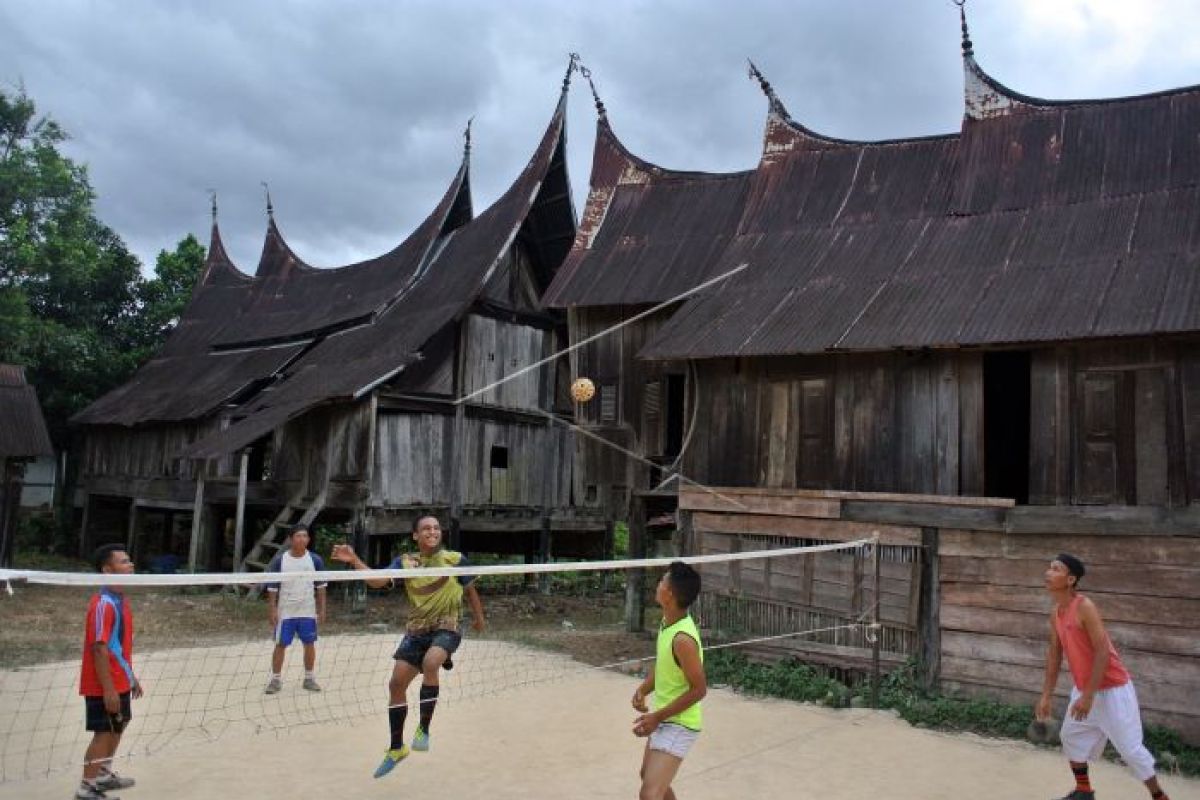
(100, 721)
(414, 646)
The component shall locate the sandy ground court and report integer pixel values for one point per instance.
(571, 737)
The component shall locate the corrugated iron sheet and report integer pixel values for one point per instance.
(387, 309)
(1066, 221)
(23, 431)
(343, 365)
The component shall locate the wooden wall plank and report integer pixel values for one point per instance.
(1153, 580)
(1173, 612)
(806, 528)
(1124, 550)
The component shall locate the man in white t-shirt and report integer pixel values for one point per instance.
(296, 608)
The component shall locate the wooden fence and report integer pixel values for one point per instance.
(962, 586)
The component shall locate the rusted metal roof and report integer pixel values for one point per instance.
(294, 337)
(23, 431)
(347, 364)
(1040, 221)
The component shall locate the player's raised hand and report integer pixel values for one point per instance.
(344, 553)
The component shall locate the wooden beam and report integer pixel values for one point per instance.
(131, 531)
(239, 520)
(197, 515)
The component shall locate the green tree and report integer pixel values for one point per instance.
(164, 296)
(74, 307)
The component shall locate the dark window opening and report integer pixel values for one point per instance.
(675, 412)
(258, 465)
(499, 458)
(1006, 401)
(501, 486)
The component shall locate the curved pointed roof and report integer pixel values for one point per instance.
(238, 330)
(1037, 221)
(348, 363)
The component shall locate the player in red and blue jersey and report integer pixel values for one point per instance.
(106, 678)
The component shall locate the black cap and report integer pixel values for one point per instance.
(1073, 564)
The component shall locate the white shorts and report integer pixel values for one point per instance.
(673, 739)
(1114, 716)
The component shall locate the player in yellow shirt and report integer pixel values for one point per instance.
(678, 683)
(432, 633)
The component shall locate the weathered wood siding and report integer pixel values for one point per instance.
(524, 480)
(628, 408)
(995, 615)
(887, 422)
(326, 443)
(1116, 423)
(412, 459)
(413, 451)
(150, 451)
(816, 592)
(980, 624)
(493, 350)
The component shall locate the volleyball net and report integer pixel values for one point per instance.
(203, 643)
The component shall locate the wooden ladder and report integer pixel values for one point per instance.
(274, 538)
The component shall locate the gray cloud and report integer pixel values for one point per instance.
(354, 112)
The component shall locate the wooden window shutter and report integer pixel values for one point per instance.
(814, 469)
(652, 417)
(608, 402)
(1102, 431)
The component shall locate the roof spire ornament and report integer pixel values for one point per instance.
(212, 193)
(763, 83)
(587, 75)
(967, 48)
(270, 208)
(467, 139)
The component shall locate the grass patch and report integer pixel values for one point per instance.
(901, 692)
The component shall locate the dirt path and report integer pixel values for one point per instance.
(570, 738)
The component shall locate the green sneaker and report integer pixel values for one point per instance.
(390, 759)
(420, 740)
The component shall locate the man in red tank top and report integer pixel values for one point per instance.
(1103, 704)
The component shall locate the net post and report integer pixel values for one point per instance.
(875, 622)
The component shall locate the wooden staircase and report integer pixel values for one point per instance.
(274, 538)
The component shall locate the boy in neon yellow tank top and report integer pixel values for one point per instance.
(678, 683)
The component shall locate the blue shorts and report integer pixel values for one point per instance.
(304, 627)
(414, 646)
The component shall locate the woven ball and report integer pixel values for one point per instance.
(582, 390)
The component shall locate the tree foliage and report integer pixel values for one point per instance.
(75, 309)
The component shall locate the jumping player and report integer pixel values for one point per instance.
(432, 633)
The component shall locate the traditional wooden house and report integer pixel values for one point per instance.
(1009, 310)
(329, 394)
(982, 346)
(23, 438)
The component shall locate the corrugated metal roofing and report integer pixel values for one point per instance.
(23, 431)
(1055, 221)
(324, 335)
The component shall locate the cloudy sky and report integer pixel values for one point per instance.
(353, 111)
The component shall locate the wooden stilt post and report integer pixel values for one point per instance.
(131, 530)
(239, 522)
(197, 516)
(635, 605)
